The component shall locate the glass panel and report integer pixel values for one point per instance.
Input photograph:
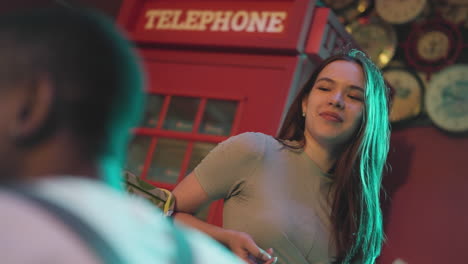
(218, 117)
(167, 160)
(153, 108)
(137, 151)
(199, 151)
(181, 113)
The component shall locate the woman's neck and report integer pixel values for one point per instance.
(323, 155)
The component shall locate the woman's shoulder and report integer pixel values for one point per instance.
(246, 143)
(258, 139)
(249, 138)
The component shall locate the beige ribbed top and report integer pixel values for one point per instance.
(274, 193)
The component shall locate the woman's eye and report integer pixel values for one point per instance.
(323, 89)
(355, 97)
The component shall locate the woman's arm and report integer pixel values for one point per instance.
(189, 196)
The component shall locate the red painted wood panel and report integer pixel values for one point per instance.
(426, 218)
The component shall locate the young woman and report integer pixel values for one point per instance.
(312, 193)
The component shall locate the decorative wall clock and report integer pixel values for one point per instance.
(457, 14)
(432, 45)
(409, 93)
(399, 11)
(377, 38)
(446, 98)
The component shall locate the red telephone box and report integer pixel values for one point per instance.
(216, 69)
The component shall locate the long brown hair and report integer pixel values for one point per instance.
(355, 208)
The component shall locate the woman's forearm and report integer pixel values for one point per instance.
(216, 232)
(239, 243)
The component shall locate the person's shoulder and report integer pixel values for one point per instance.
(203, 248)
(250, 137)
(255, 140)
(247, 143)
(51, 239)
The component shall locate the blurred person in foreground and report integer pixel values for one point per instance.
(71, 89)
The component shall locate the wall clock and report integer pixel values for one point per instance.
(446, 98)
(432, 45)
(455, 13)
(399, 11)
(409, 93)
(377, 38)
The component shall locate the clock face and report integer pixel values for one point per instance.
(447, 98)
(378, 40)
(408, 93)
(457, 14)
(433, 45)
(399, 11)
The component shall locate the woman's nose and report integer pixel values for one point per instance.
(337, 99)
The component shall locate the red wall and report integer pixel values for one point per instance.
(427, 217)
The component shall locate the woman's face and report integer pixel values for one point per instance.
(335, 104)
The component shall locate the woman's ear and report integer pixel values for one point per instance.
(34, 110)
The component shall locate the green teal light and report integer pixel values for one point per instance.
(373, 155)
(127, 108)
(127, 113)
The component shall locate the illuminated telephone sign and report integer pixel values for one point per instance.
(288, 26)
(215, 20)
(227, 24)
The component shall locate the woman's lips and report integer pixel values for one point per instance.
(331, 116)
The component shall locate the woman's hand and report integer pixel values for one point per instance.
(244, 247)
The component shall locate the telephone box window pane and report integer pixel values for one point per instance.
(153, 108)
(218, 117)
(181, 114)
(138, 149)
(199, 151)
(167, 160)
